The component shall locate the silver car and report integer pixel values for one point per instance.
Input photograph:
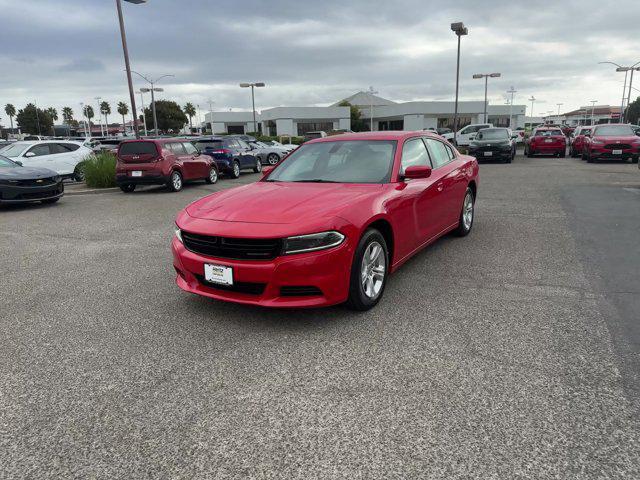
(268, 154)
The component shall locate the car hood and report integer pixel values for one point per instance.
(25, 173)
(280, 202)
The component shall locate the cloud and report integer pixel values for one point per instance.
(83, 65)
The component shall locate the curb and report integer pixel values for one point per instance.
(90, 191)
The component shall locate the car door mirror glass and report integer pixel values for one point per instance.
(29, 154)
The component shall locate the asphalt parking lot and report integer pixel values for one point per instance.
(511, 353)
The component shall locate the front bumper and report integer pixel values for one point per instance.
(22, 194)
(261, 282)
(495, 153)
(604, 153)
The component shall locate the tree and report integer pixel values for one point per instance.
(105, 109)
(357, 124)
(633, 112)
(123, 109)
(53, 113)
(190, 111)
(88, 112)
(67, 118)
(34, 120)
(11, 111)
(169, 114)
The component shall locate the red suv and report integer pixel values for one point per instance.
(546, 141)
(611, 141)
(577, 142)
(168, 162)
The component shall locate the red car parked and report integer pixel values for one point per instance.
(611, 141)
(546, 141)
(577, 143)
(168, 162)
(328, 223)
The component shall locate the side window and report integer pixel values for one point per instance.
(40, 150)
(189, 148)
(69, 147)
(232, 143)
(242, 144)
(414, 153)
(438, 152)
(177, 148)
(450, 152)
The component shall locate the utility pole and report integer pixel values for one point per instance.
(593, 106)
(459, 29)
(371, 92)
(512, 91)
(211, 102)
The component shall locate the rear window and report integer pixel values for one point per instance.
(212, 144)
(549, 133)
(138, 148)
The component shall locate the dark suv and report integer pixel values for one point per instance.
(231, 154)
(168, 162)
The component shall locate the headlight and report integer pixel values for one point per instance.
(178, 234)
(313, 242)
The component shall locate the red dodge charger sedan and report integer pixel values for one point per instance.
(329, 223)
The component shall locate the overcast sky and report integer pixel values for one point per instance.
(62, 52)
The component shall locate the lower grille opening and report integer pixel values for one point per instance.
(300, 291)
(248, 288)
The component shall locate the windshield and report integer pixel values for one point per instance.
(491, 134)
(549, 133)
(6, 163)
(214, 144)
(359, 161)
(14, 150)
(614, 130)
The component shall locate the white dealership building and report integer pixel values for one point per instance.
(387, 115)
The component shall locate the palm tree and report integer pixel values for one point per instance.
(67, 116)
(11, 111)
(88, 112)
(123, 109)
(53, 113)
(190, 110)
(105, 109)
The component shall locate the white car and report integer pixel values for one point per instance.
(464, 135)
(60, 156)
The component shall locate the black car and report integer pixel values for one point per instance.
(230, 153)
(493, 144)
(20, 184)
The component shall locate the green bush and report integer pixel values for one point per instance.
(100, 170)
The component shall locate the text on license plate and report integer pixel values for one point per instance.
(548, 140)
(617, 152)
(218, 274)
(136, 173)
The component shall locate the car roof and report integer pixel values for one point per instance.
(379, 135)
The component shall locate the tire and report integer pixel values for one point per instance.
(128, 188)
(589, 158)
(528, 153)
(49, 201)
(562, 154)
(175, 182)
(213, 176)
(634, 159)
(273, 158)
(467, 214)
(78, 174)
(258, 167)
(235, 169)
(365, 291)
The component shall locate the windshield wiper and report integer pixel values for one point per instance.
(315, 180)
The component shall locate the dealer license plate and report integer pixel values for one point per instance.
(218, 274)
(617, 152)
(488, 154)
(136, 173)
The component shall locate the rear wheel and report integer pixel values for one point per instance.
(562, 154)
(634, 159)
(258, 167)
(273, 158)
(235, 169)
(175, 181)
(130, 187)
(213, 176)
(78, 173)
(369, 271)
(465, 222)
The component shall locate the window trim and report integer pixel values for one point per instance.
(39, 145)
(407, 140)
(445, 146)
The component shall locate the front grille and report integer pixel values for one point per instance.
(617, 146)
(41, 182)
(235, 248)
(299, 291)
(248, 288)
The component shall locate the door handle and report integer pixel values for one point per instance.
(440, 186)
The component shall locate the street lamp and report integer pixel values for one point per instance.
(371, 93)
(459, 29)
(99, 115)
(626, 70)
(211, 102)
(512, 92)
(593, 106)
(532, 99)
(253, 102)
(144, 115)
(153, 98)
(486, 81)
(125, 51)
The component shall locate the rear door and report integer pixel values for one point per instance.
(199, 162)
(248, 158)
(38, 156)
(189, 170)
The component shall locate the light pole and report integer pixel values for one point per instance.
(459, 29)
(153, 98)
(87, 129)
(371, 93)
(211, 102)
(532, 100)
(125, 51)
(559, 105)
(144, 115)
(626, 70)
(199, 120)
(512, 92)
(253, 102)
(99, 115)
(486, 82)
(593, 106)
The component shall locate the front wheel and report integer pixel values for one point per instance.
(273, 158)
(465, 222)
(175, 181)
(634, 159)
(78, 173)
(369, 271)
(235, 169)
(213, 176)
(130, 187)
(258, 167)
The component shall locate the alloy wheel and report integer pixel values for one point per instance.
(372, 271)
(467, 211)
(176, 181)
(272, 159)
(213, 175)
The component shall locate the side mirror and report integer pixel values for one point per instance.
(29, 154)
(18, 162)
(266, 171)
(514, 136)
(417, 171)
